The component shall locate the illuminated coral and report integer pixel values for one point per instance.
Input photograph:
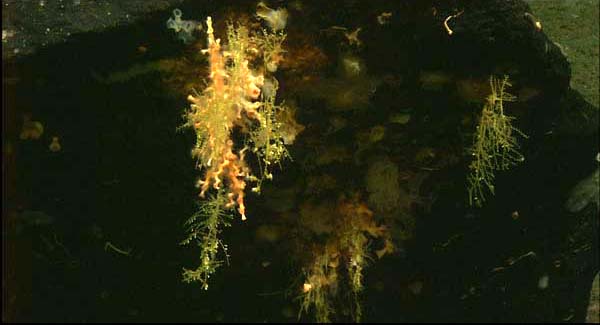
(351, 225)
(232, 101)
(204, 227)
(321, 279)
(233, 169)
(495, 146)
(214, 113)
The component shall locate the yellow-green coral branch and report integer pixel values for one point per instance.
(495, 146)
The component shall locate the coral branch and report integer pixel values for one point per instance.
(495, 146)
(232, 100)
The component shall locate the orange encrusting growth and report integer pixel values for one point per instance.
(216, 61)
(231, 167)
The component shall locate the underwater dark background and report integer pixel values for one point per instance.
(124, 178)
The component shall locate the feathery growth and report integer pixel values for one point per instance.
(342, 257)
(495, 146)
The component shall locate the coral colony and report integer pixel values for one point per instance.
(495, 146)
(232, 103)
(237, 117)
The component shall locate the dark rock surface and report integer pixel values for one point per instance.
(30, 24)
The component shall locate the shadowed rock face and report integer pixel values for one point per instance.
(29, 25)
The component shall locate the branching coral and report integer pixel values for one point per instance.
(232, 100)
(214, 113)
(204, 227)
(321, 282)
(495, 146)
(271, 46)
(345, 253)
